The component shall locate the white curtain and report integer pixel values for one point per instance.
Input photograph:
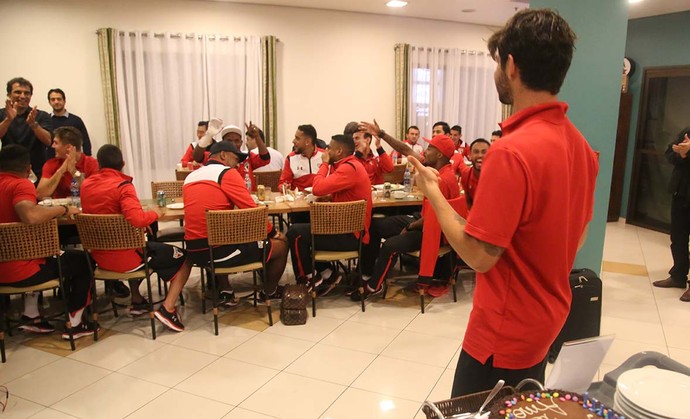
(455, 86)
(167, 83)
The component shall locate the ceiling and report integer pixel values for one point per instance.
(486, 12)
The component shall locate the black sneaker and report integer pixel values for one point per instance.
(37, 325)
(329, 284)
(137, 309)
(81, 330)
(277, 295)
(171, 320)
(116, 289)
(228, 298)
(368, 292)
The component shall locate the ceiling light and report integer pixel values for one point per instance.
(396, 3)
(634, 1)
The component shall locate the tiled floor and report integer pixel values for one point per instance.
(341, 364)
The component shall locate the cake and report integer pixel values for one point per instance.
(551, 404)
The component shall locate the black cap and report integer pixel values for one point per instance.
(228, 146)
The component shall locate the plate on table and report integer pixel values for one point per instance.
(394, 187)
(175, 206)
(653, 391)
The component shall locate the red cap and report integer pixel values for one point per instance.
(444, 144)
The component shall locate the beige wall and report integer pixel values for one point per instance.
(333, 66)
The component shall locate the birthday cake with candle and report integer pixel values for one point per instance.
(551, 404)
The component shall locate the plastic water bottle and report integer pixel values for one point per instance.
(74, 190)
(247, 179)
(407, 179)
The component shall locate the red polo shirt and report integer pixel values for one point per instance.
(13, 190)
(469, 180)
(376, 166)
(111, 192)
(347, 181)
(86, 164)
(536, 199)
(212, 187)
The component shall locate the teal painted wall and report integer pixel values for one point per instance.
(592, 90)
(652, 42)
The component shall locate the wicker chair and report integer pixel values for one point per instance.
(172, 189)
(114, 232)
(181, 174)
(26, 242)
(268, 179)
(234, 227)
(396, 175)
(329, 218)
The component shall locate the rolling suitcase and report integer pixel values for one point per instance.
(584, 319)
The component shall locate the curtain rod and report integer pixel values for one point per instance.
(462, 51)
(186, 36)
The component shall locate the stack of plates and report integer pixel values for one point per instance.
(652, 393)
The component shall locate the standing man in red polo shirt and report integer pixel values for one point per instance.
(531, 213)
(344, 178)
(69, 160)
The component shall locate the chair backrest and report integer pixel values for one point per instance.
(181, 174)
(108, 232)
(396, 175)
(337, 217)
(236, 226)
(28, 241)
(268, 179)
(173, 188)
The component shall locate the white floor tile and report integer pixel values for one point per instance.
(621, 350)
(115, 396)
(361, 337)
(399, 378)
(331, 363)
(443, 387)
(272, 351)
(386, 315)
(18, 408)
(22, 360)
(680, 355)
(116, 351)
(239, 413)
(55, 381)
(278, 397)
(49, 413)
(422, 348)
(314, 330)
(169, 365)
(360, 404)
(636, 331)
(227, 381)
(175, 404)
(203, 339)
(440, 324)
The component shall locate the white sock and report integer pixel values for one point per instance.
(326, 273)
(365, 278)
(75, 318)
(31, 305)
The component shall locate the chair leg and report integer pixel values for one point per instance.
(421, 299)
(313, 303)
(2, 329)
(151, 314)
(213, 286)
(270, 311)
(203, 291)
(2, 347)
(215, 320)
(361, 284)
(256, 292)
(94, 309)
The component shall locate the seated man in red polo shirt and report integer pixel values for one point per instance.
(18, 204)
(218, 186)
(375, 166)
(304, 161)
(403, 233)
(69, 160)
(187, 158)
(344, 178)
(469, 175)
(111, 192)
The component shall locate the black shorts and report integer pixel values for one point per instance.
(164, 259)
(226, 256)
